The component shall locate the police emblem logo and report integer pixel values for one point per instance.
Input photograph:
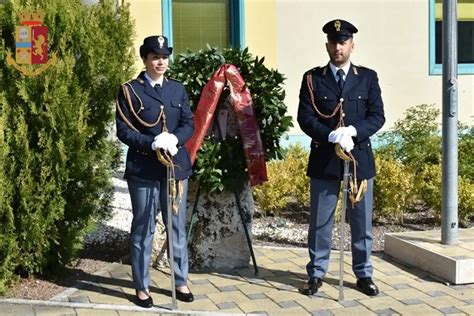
(31, 44)
(337, 25)
(161, 41)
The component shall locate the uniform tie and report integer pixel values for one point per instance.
(158, 89)
(340, 81)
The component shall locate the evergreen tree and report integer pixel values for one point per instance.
(57, 154)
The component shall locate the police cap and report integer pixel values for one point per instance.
(155, 44)
(339, 30)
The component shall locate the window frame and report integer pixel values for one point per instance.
(237, 29)
(437, 69)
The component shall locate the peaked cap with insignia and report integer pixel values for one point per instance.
(339, 30)
(155, 44)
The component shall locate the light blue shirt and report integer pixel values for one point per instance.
(345, 68)
(153, 83)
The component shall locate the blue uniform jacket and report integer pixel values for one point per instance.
(142, 162)
(363, 108)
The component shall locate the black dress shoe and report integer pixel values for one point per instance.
(184, 297)
(146, 303)
(311, 287)
(367, 286)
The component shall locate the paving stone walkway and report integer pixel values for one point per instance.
(404, 291)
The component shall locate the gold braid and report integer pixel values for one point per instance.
(162, 156)
(132, 109)
(356, 193)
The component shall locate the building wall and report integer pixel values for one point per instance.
(259, 26)
(392, 39)
(148, 21)
(260, 29)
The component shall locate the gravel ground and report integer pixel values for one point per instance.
(109, 243)
(275, 230)
(278, 230)
(116, 229)
(291, 228)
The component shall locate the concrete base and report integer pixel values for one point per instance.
(423, 249)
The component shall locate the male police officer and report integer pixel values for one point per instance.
(142, 105)
(340, 103)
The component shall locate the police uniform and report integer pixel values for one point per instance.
(138, 109)
(363, 109)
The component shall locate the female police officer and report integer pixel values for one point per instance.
(152, 115)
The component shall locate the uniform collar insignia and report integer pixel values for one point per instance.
(354, 68)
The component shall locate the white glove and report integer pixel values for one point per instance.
(160, 141)
(173, 150)
(335, 136)
(172, 140)
(167, 142)
(154, 145)
(171, 143)
(346, 143)
(350, 130)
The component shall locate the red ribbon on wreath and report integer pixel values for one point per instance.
(243, 107)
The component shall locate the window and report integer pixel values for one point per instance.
(465, 12)
(192, 24)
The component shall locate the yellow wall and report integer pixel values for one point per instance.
(259, 19)
(148, 21)
(260, 29)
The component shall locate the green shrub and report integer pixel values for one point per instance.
(465, 200)
(57, 156)
(415, 142)
(408, 164)
(431, 193)
(287, 182)
(222, 166)
(393, 188)
(415, 139)
(465, 152)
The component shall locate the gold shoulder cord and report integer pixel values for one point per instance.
(162, 156)
(355, 193)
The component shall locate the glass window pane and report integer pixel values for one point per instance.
(197, 23)
(465, 31)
